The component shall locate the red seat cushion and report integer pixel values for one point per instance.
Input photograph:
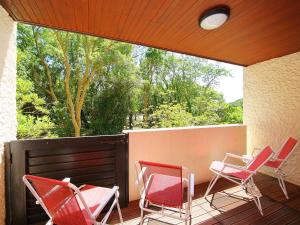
(165, 190)
(220, 166)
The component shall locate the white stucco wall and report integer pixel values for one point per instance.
(192, 147)
(272, 106)
(7, 92)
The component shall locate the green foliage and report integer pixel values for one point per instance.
(170, 115)
(188, 81)
(96, 74)
(112, 104)
(121, 86)
(237, 103)
(32, 116)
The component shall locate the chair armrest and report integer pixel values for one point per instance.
(237, 167)
(280, 160)
(255, 150)
(247, 158)
(67, 179)
(233, 155)
(99, 209)
(230, 155)
(192, 184)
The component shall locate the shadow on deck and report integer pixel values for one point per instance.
(230, 205)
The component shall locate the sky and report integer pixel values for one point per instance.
(232, 87)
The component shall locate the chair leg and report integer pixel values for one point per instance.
(255, 193)
(142, 202)
(105, 218)
(188, 219)
(115, 202)
(49, 222)
(258, 204)
(211, 184)
(119, 209)
(142, 217)
(282, 185)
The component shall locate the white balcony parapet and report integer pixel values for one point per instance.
(194, 147)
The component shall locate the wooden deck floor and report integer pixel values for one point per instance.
(232, 206)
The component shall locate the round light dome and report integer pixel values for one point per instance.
(214, 18)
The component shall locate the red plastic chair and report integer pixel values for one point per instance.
(278, 161)
(241, 175)
(66, 204)
(162, 185)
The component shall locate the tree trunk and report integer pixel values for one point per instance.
(46, 67)
(146, 103)
(77, 131)
(130, 120)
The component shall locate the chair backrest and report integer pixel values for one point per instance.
(171, 182)
(260, 159)
(59, 199)
(287, 148)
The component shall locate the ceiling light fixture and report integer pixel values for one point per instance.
(214, 18)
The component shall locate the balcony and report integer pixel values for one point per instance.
(195, 148)
(102, 161)
(230, 205)
(268, 48)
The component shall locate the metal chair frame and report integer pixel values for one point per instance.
(76, 190)
(278, 172)
(184, 213)
(246, 184)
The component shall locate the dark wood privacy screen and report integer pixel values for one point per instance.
(99, 160)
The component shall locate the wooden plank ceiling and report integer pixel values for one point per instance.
(257, 30)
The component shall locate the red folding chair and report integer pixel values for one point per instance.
(278, 161)
(162, 186)
(66, 204)
(241, 175)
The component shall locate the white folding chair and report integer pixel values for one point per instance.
(163, 186)
(241, 175)
(66, 204)
(278, 161)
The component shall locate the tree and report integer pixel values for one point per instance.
(95, 86)
(32, 116)
(65, 65)
(170, 79)
(170, 115)
(237, 103)
(112, 97)
(150, 68)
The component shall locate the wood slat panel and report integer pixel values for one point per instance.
(100, 161)
(256, 31)
(49, 150)
(69, 165)
(70, 157)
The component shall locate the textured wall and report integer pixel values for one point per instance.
(272, 106)
(193, 147)
(7, 92)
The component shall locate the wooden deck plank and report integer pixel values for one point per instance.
(230, 205)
